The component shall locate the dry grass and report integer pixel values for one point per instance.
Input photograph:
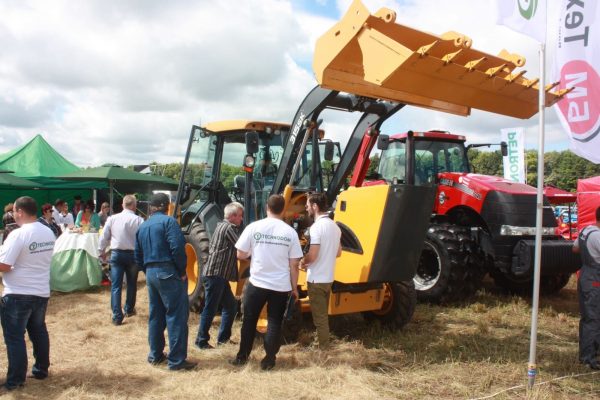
(460, 351)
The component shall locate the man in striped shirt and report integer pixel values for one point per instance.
(220, 268)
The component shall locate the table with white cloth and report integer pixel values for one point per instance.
(75, 264)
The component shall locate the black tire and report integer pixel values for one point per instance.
(198, 240)
(398, 308)
(451, 266)
(290, 330)
(553, 284)
(548, 284)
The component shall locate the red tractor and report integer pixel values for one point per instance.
(480, 224)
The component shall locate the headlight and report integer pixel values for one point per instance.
(509, 230)
(249, 161)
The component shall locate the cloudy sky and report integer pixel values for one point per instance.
(122, 81)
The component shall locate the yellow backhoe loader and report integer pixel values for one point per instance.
(370, 65)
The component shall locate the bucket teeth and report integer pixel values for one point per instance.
(371, 55)
(472, 65)
(531, 82)
(424, 50)
(551, 86)
(513, 77)
(491, 72)
(447, 59)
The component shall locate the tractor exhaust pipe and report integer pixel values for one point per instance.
(410, 158)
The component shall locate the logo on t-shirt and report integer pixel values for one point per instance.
(39, 247)
(271, 239)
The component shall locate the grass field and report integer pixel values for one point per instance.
(467, 350)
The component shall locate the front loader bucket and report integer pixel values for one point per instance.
(371, 55)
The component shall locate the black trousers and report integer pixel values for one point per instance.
(588, 291)
(253, 301)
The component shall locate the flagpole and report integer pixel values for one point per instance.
(532, 366)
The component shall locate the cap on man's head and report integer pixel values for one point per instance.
(159, 200)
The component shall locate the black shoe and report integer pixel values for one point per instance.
(593, 364)
(184, 366)
(116, 322)
(130, 313)
(161, 360)
(238, 361)
(5, 387)
(38, 376)
(204, 346)
(267, 364)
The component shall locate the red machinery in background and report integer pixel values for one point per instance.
(567, 227)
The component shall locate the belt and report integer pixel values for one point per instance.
(121, 250)
(159, 264)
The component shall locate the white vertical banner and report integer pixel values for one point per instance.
(514, 162)
(577, 65)
(524, 16)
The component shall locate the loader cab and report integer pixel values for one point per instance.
(434, 152)
(219, 170)
(212, 174)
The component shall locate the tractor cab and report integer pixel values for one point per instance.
(434, 152)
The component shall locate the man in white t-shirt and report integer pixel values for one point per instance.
(324, 248)
(25, 262)
(275, 251)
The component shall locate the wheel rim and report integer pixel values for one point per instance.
(388, 301)
(191, 268)
(429, 269)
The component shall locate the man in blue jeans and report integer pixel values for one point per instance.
(25, 262)
(119, 231)
(219, 269)
(160, 252)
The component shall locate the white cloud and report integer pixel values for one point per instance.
(123, 82)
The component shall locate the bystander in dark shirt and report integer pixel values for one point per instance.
(52, 225)
(222, 256)
(9, 225)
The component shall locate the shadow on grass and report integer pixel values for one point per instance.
(90, 382)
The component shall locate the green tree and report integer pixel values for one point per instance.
(486, 162)
(374, 166)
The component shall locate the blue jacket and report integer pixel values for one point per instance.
(159, 240)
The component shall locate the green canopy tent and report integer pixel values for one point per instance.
(10, 181)
(39, 162)
(36, 159)
(123, 180)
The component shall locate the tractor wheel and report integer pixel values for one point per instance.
(197, 252)
(548, 284)
(553, 284)
(400, 300)
(451, 266)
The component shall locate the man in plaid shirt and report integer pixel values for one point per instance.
(219, 270)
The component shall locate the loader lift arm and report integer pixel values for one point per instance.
(375, 112)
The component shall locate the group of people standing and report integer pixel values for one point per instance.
(157, 247)
(275, 257)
